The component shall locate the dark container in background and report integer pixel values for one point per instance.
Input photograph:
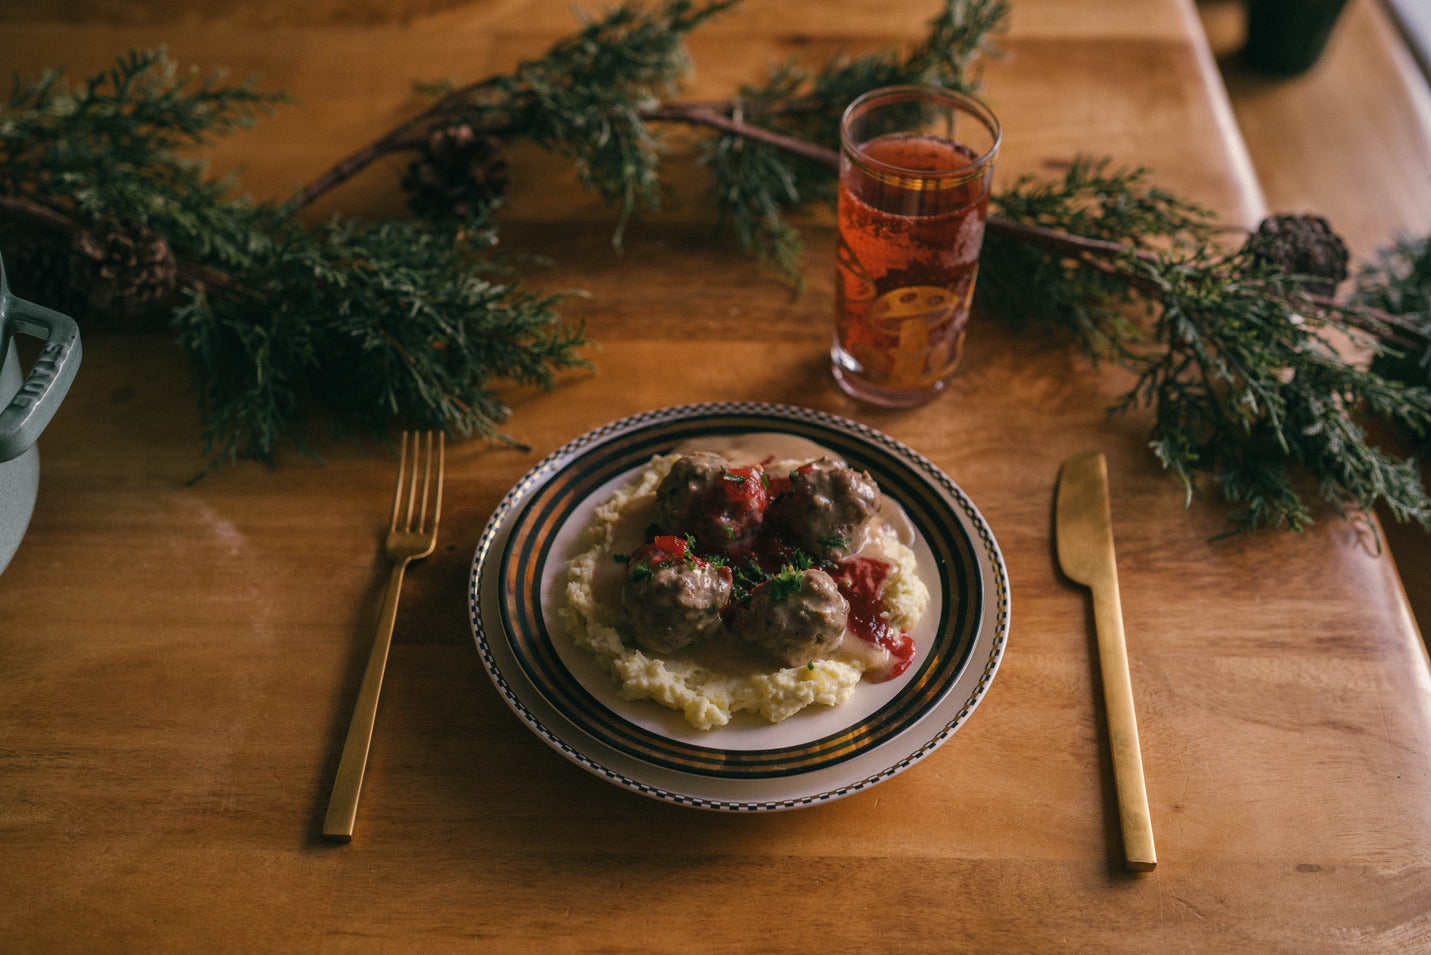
(1286, 37)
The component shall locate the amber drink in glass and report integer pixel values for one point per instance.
(916, 163)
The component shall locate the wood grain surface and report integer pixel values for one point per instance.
(178, 661)
(1351, 139)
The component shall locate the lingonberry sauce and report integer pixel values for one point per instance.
(861, 581)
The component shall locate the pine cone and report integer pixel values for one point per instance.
(457, 175)
(121, 268)
(1302, 245)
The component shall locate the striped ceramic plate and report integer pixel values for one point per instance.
(556, 688)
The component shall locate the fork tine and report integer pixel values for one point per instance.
(413, 510)
(437, 496)
(417, 482)
(426, 482)
(398, 484)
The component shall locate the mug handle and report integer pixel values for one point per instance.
(39, 397)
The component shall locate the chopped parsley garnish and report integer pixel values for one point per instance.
(747, 575)
(744, 580)
(785, 584)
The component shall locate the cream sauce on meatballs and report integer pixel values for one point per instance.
(814, 625)
(747, 664)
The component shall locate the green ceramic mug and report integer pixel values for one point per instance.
(29, 401)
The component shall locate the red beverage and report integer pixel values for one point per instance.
(912, 207)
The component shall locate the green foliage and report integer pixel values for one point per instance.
(418, 323)
(1398, 283)
(1238, 363)
(599, 97)
(1031, 288)
(376, 323)
(118, 146)
(755, 184)
(412, 332)
(1251, 388)
(588, 97)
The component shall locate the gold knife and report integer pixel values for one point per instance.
(1085, 551)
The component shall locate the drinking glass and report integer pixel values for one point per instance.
(916, 163)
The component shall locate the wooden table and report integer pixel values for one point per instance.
(1350, 138)
(178, 662)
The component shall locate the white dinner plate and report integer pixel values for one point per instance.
(817, 755)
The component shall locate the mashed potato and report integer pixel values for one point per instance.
(711, 683)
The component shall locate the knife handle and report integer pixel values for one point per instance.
(1137, 822)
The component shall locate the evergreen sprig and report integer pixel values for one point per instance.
(1244, 368)
(1397, 284)
(413, 332)
(118, 146)
(588, 98)
(755, 184)
(378, 323)
(1034, 286)
(1250, 387)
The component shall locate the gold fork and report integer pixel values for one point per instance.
(411, 536)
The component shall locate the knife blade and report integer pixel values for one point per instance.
(1084, 532)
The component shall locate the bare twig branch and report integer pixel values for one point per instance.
(407, 135)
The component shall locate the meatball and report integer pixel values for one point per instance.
(719, 504)
(795, 617)
(682, 492)
(671, 598)
(827, 507)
